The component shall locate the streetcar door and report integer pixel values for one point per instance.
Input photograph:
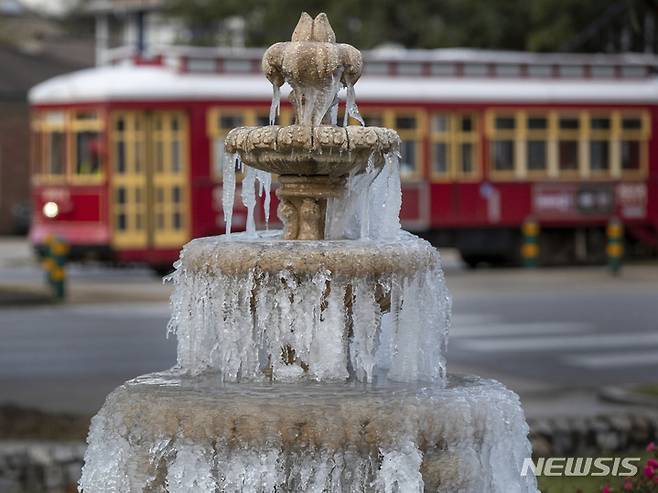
(129, 179)
(170, 223)
(149, 180)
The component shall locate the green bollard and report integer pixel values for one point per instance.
(530, 248)
(54, 263)
(615, 248)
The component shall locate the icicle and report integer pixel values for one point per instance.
(249, 198)
(333, 114)
(390, 224)
(351, 109)
(275, 107)
(228, 190)
(264, 185)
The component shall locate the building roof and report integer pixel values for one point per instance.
(160, 83)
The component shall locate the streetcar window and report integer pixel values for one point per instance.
(505, 123)
(466, 158)
(175, 156)
(540, 71)
(120, 157)
(373, 120)
(600, 123)
(503, 155)
(178, 223)
(440, 158)
(159, 156)
(440, 123)
(569, 123)
(631, 124)
(408, 157)
(476, 70)
(405, 123)
(568, 155)
(454, 147)
(630, 155)
(599, 155)
(229, 122)
(536, 155)
(56, 164)
(537, 123)
(87, 148)
(466, 124)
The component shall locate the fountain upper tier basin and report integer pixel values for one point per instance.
(304, 150)
(194, 434)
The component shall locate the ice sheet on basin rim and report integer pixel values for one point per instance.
(238, 324)
(167, 432)
(369, 208)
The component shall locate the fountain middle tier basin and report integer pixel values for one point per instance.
(168, 432)
(268, 309)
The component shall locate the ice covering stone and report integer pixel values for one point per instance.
(175, 433)
(251, 309)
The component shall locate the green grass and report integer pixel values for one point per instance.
(585, 484)
(590, 484)
(651, 390)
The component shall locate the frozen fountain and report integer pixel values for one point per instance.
(313, 358)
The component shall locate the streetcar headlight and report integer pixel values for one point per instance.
(50, 209)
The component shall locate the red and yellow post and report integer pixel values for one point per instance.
(54, 263)
(530, 247)
(615, 244)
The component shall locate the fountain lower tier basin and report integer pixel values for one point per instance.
(174, 433)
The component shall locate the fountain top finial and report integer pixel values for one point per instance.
(318, 29)
(314, 65)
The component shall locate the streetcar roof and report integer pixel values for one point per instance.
(160, 83)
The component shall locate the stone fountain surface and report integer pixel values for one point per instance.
(311, 359)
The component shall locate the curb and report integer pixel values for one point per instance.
(11, 296)
(625, 396)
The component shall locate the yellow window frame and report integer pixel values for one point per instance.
(595, 134)
(166, 179)
(579, 136)
(83, 125)
(250, 116)
(583, 136)
(515, 135)
(43, 130)
(528, 134)
(131, 180)
(642, 136)
(453, 137)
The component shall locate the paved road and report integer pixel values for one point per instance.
(561, 329)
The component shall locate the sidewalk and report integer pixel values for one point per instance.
(22, 280)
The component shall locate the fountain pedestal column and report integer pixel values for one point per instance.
(303, 204)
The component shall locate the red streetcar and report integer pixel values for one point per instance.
(127, 157)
